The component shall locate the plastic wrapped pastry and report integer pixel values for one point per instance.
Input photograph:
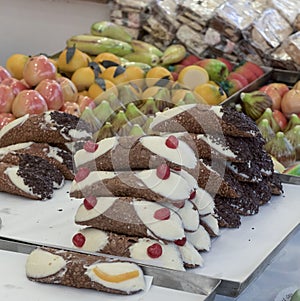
(268, 31)
(79, 270)
(232, 17)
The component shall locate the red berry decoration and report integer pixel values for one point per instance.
(192, 195)
(162, 214)
(90, 202)
(172, 142)
(180, 242)
(78, 240)
(90, 146)
(163, 171)
(81, 174)
(154, 251)
(179, 204)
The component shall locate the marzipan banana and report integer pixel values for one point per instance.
(143, 66)
(143, 57)
(173, 54)
(110, 30)
(94, 45)
(141, 46)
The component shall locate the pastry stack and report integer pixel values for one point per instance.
(160, 198)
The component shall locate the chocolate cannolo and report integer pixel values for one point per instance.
(40, 168)
(25, 181)
(204, 119)
(80, 270)
(226, 214)
(145, 250)
(130, 216)
(146, 184)
(59, 158)
(49, 127)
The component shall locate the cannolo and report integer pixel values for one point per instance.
(126, 153)
(204, 119)
(49, 127)
(29, 181)
(130, 216)
(210, 224)
(200, 239)
(226, 214)
(61, 159)
(158, 185)
(188, 213)
(146, 250)
(80, 270)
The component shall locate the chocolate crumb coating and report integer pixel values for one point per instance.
(75, 271)
(35, 177)
(59, 158)
(119, 218)
(275, 184)
(226, 214)
(49, 127)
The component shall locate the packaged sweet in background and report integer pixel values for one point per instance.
(191, 39)
(196, 14)
(246, 52)
(289, 9)
(260, 5)
(268, 31)
(232, 17)
(162, 23)
(296, 24)
(130, 14)
(292, 47)
(281, 60)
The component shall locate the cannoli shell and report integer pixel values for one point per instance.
(74, 273)
(202, 119)
(40, 189)
(49, 127)
(126, 216)
(59, 158)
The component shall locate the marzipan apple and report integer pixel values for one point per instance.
(29, 102)
(52, 93)
(7, 97)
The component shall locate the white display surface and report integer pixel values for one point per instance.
(14, 286)
(234, 256)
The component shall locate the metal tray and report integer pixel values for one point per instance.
(274, 75)
(53, 225)
(204, 287)
(271, 75)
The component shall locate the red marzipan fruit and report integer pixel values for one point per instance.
(226, 62)
(233, 86)
(280, 119)
(189, 60)
(274, 94)
(256, 69)
(242, 79)
(246, 72)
